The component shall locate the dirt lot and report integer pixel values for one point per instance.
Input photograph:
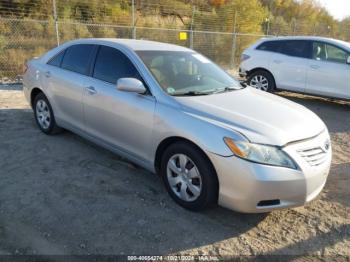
(64, 195)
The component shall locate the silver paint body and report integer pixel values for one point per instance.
(133, 125)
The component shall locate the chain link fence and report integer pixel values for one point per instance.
(32, 28)
(24, 39)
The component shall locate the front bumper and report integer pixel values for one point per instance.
(254, 188)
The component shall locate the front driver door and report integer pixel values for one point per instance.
(123, 120)
(328, 72)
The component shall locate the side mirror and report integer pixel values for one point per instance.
(348, 60)
(131, 85)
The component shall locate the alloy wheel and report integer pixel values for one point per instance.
(259, 82)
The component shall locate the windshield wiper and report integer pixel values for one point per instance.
(193, 93)
(226, 89)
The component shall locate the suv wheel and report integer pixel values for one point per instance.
(189, 177)
(262, 80)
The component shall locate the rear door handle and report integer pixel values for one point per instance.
(91, 90)
(315, 66)
(47, 73)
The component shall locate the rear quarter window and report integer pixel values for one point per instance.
(57, 59)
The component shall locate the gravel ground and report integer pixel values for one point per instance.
(64, 195)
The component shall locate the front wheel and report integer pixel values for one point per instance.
(262, 80)
(189, 177)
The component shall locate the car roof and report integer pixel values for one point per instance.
(312, 38)
(136, 45)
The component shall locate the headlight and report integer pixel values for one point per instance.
(263, 154)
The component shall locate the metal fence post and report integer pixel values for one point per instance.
(133, 19)
(294, 26)
(191, 28)
(56, 22)
(268, 26)
(234, 41)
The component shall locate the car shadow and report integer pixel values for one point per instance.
(318, 243)
(333, 112)
(337, 187)
(64, 195)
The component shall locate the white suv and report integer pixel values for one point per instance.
(312, 65)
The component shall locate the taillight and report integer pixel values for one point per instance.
(25, 68)
(244, 57)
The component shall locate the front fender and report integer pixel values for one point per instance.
(174, 122)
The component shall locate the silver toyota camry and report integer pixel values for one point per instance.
(174, 112)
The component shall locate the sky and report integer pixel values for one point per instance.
(338, 8)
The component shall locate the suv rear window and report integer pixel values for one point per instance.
(272, 46)
(77, 58)
(296, 48)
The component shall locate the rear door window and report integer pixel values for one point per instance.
(111, 64)
(77, 58)
(296, 48)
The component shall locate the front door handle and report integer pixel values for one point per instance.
(91, 90)
(315, 66)
(277, 61)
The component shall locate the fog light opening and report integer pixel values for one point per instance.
(264, 203)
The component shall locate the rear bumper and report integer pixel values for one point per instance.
(254, 188)
(26, 88)
(242, 73)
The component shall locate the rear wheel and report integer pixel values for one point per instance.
(44, 116)
(262, 80)
(189, 177)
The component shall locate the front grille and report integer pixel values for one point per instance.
(314, 156)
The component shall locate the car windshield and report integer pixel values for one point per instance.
(187, 73)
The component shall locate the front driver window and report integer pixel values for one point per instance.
(111, 64)
(326, 52)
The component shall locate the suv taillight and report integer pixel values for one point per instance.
(25, 68)
(244, 57)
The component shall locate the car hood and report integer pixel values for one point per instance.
(261, 117)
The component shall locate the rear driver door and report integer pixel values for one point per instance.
(65, 77)
(289, 65)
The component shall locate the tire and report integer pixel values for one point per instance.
(195, 189)
(44, 116)
(262, 80)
